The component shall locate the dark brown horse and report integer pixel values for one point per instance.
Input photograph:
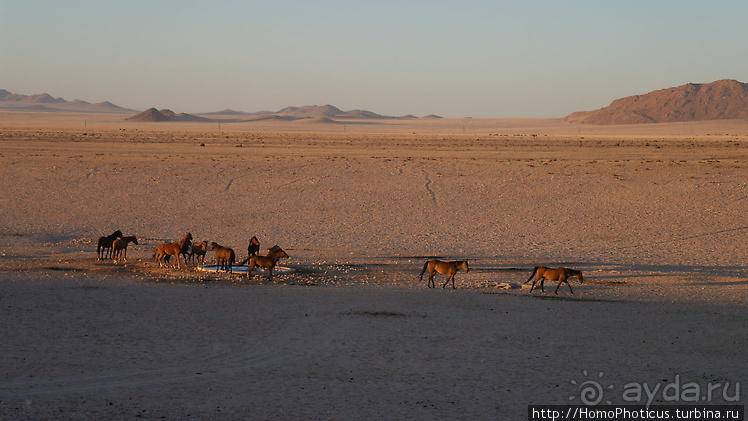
(268, 262)
(199, 250)
(164, 251)
(252, 250)
(225, 257)
(541, 273)
(254, 247)
(104, 245)
(445, 268)
(119, 247)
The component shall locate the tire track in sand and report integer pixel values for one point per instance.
(427, 186)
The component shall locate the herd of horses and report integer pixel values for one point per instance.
(114, 246)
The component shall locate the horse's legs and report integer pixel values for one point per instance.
(541, 279)
(251, 268)
(452, 278)
(566, 281)
(431, 283)
(561, 281)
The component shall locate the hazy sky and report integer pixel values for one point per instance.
(453, 58)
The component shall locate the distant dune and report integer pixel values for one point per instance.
(360, 114)
(270, 117)
(153, 114)
(319, 120)
(229, 112)
(720, 100)
(311, 111)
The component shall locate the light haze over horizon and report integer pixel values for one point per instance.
(467, 58)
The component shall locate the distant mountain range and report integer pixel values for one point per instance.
(721, 100)
(45, 102)
(313, 113)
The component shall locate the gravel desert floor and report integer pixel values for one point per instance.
(655, 217)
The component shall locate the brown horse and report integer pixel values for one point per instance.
(104, 245)
(225, 257)
(445, 268)
(268, 262)
(199, 250)
(119, 247)
(252, 250)
(164, 251)
(541, 273)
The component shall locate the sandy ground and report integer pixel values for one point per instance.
(655, 219)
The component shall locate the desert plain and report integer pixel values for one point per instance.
(655, 215)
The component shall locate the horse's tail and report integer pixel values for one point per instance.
(243, 262)
(425, 266)
(155, 252)
(534, 271)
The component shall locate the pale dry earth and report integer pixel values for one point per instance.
(654, 215)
